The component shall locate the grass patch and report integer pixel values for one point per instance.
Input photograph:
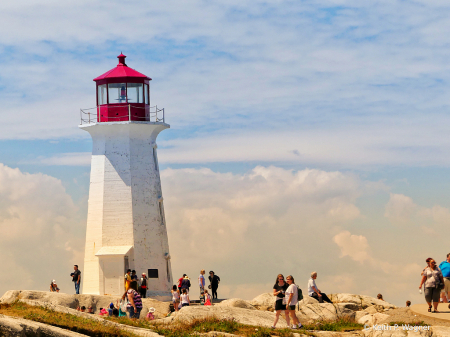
(418, 323)
(338, 325)
(74, 323)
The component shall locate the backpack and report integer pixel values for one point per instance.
(299, 294)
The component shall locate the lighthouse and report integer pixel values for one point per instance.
(126, 227)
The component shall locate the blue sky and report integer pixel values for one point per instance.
(334, 86)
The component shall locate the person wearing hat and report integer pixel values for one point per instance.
(54, 287)
(143, 285)
(151, 314)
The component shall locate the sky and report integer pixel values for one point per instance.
(305, 136)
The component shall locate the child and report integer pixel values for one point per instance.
(185, 298)
(175, 297)
(207, 298)
(150, 315)
(54, 287)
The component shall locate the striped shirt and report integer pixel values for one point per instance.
(136, 298)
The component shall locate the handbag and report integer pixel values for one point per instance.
(123, 305)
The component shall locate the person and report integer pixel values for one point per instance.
(201, 281)
(90, 311)
(134, 276)
(175, 297)
(186, 284)
(127, 279)
(432, 277)
(279, 290)
(207, 298)
(214, 281)
(143, 286)
(83, 309)
(134, 305)
(151, 314)
(110, 309)
(291, 300)
(380, 297)
(444, 266)
(54, 287)
(121, 313)
(78, 309)
(76, 278)
(408, 303)
(315, 292)
(116, 313)
(184, 298)
(103, 312)
(180, 281)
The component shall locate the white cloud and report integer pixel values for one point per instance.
(42, 236)
(354, 246)
(63, 159)
(400, 209)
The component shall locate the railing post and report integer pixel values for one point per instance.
(164, 116)
(89, 117)
(81, 118)
(129, 113)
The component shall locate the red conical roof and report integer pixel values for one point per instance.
(121, 70)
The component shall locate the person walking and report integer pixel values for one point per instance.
(291, 300)
(279, 290)
(214, 281)
(184, 298)
(76, 278)
(432, 278)
(180, 281)
(175, 297)
(444, 266)
(134, 305)
(186, 284)
(127, 279)
(143, 285)
(54, 287)
(315, 292)
(201, 281)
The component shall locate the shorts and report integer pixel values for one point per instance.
(292, 307)
(446, 285)
(279, 305)
(185, 305)
(176, 301)
(432, 295)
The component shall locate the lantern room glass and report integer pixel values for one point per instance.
(117, 93)
(102, 95)
(135, 93)
(146, 94)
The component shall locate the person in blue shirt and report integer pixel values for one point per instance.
(445, 269)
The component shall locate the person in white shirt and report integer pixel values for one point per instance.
(315, 292)
(291, 301)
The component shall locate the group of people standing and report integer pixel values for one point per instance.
(436, 282)
(142, 283)
(180, 292)
(287, 297)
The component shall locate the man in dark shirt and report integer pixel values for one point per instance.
(214, 283)
(76, 278)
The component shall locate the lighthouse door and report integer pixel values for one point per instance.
(112, 267)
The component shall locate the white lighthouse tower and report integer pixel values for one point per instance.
(126, 227)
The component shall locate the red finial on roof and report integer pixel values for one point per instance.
(121, 58)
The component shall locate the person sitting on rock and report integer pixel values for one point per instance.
(83, 309)
(54, 287)
(90, 310)
(315, 292)
(408, 303)
(380, 297)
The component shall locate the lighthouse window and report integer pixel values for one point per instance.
(117, 93)
(102, 94)
(146, 93)
(135, 93)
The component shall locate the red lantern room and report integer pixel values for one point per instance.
(123, 94)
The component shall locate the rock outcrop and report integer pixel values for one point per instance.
(74, 301)
(240, 315)
(363, 300)
(237, 303)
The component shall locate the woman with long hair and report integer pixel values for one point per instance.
(175, 297)
(279, 290)
(291, 301)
